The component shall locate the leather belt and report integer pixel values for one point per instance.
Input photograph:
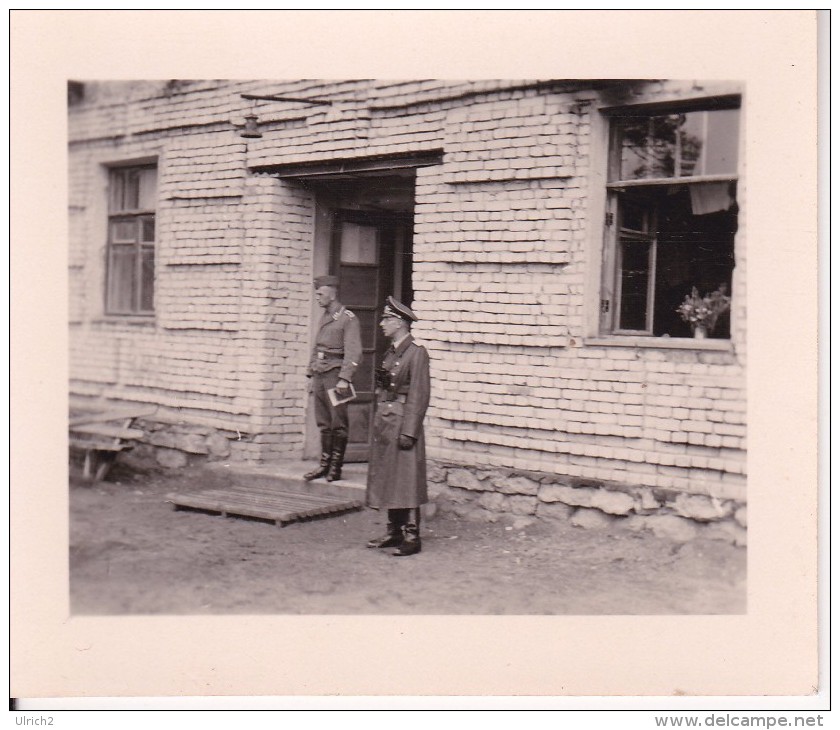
(398, 397)
(322, 355)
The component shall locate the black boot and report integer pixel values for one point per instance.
(394, 537)
(411, 535)
(326, 451)
(337, 458)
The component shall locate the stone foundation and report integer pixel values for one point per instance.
(490, 494)
(174, 446)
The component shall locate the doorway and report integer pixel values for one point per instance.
(372, 258)
(370, 223)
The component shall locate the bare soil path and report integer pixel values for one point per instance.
(132, 553)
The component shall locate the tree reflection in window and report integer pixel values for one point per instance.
(678, 145)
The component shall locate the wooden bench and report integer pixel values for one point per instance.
(102, 435)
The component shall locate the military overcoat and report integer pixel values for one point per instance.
(396, 477)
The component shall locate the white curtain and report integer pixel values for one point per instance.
(710, 197)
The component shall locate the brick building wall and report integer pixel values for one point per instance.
(507, 259)
(503, 232)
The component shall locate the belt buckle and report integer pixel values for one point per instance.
(320, 355)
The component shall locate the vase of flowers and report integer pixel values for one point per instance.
(702, 313)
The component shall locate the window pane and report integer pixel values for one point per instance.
(368, 324)
(634, 216)
(722, 142)
(124, 231)
(679, 145)
(147, 192)
(358, 286)
(131, 195)
(358, 244)
(148, 230)
(121, 278)
(133, 188)
(648, 147)
(116, 185)
(693, 250)
(689, 130)
(635, 275)
(147, 279)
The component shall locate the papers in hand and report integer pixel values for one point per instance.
(348, 394)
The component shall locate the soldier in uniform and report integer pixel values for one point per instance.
(397, 468)
(335, 357)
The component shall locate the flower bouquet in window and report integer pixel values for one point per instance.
(702, 313)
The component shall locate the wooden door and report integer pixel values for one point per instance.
(371, 255)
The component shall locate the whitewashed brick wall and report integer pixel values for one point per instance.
(501, 230)
(503, 250)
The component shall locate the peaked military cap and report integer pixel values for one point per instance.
(325, 281)
(393, 308)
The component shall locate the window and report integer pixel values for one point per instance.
(132, 197)
(671, 216)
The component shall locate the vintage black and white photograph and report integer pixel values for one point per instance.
(414, 353)
(407, 347)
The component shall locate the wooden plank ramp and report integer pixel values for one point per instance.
(274, 504)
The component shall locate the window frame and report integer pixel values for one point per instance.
(118, 212)
(641, 236)
(609, 302)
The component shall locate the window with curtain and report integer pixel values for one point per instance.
(132, 201)
(672, 215)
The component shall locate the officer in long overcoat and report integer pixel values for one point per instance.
(397, 467)
(335, 358)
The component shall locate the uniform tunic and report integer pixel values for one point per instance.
(336, 355)
(396, 477)
(337, 345)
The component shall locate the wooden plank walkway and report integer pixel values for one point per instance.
(264, 502)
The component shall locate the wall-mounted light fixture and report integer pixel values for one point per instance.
(251, 129)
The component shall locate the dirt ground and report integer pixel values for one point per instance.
(132, 553)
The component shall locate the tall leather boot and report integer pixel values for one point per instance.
(336, 458)
(326, 452)
(411, 535)
(394, 534)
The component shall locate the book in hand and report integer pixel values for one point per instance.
(348, 395)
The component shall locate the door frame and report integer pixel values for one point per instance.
(393, 250)
(335, 204)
